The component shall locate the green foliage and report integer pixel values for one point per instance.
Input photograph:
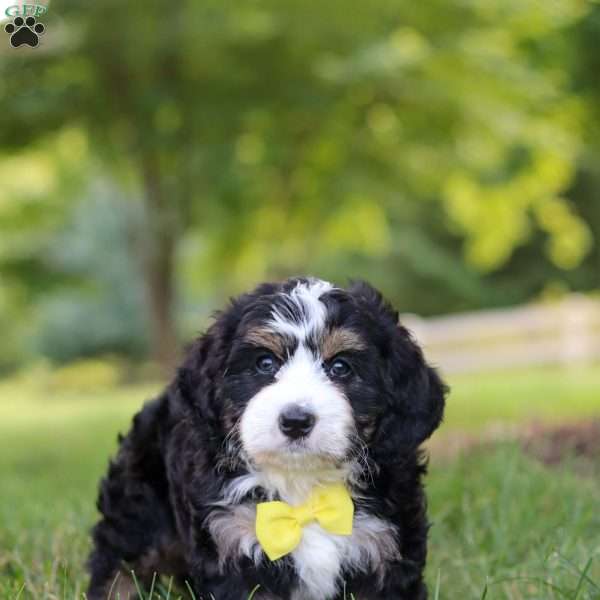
(102, 310)
(90, 375)
(436, 149)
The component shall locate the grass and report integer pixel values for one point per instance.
(550, 395)
(504, 526)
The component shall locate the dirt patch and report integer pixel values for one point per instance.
(552, 445)
(578, 442)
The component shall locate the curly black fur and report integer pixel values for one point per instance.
(173, 467)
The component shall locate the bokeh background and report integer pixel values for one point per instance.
(158, 157)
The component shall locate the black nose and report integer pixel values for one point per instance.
(296, 422)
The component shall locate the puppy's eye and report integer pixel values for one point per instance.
(266, 364)
(339, 369)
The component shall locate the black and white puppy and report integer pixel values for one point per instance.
(296, 385)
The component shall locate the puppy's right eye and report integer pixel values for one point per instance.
(266, 364)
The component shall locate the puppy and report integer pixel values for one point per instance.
(284, 454)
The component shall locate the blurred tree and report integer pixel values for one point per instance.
(277, 136)
(102, 310)
(36, 186)
(585, 193)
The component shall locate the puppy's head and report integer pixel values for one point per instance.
(306, 375)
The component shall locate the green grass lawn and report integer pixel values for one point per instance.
(504, 526)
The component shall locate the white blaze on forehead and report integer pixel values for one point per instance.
(305, 297)
(302, 373)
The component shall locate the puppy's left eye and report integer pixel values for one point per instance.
(266, 364)
(339, 369)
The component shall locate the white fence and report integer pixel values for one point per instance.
(561, 333)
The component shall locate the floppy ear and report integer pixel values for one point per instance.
(197, 380)
(415, 398)
(414, 392)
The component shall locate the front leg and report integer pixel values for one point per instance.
(403, 585)
(228, 586)
(219, 567)
(228, 563)
(399, 579)
(219, 587)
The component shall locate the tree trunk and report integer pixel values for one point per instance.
(158, 253)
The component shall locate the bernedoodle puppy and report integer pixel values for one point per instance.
(283, 458)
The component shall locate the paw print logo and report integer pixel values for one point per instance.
(24, 31)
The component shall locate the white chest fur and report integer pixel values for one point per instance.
(320, 558)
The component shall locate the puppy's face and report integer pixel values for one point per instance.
(314, 373)
(297, 371)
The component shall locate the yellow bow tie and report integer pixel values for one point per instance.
(279, 525)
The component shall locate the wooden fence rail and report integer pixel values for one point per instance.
(561, 333)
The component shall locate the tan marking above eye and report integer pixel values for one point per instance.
(339, 340)
(266, 338)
